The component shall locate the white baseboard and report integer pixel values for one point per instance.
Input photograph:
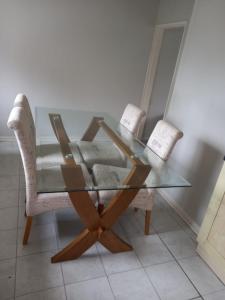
(180, 211)
(7, 139)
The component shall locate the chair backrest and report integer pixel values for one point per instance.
(22, 101)
(18, 121)
(163, 139)
(133, 119)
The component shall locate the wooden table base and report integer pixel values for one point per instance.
(98, 225)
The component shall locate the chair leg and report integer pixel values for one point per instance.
(27, 230)
(147, 221)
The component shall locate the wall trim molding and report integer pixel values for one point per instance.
(180, 211)
(7, 138)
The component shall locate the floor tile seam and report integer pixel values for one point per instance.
(38, 291)
(133, 269)
(181, 225)
(211, 293)
(64, 285)
(35, 225)
(84, 280)
(9, 229)
(114, 296)
(10, 206)
(39, 252)
(189, 256)
(215, 291)
(177, 261)
(17, 237)
(5, 259)
(155, 289)
(197, 255)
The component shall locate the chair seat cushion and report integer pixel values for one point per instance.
(109, 176)
(51, 201)
(50, 155)
(101, 153)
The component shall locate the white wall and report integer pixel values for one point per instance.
(88, 54)
(198, 107)
(174, 11)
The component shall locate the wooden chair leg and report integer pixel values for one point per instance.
(27, 230)
(147, 221)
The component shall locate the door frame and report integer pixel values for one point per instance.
(153, 63)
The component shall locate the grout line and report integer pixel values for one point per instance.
(57, 245)
(39, 291)
(107, 276)
(176, 260)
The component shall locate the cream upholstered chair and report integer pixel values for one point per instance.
(162, 142)
(48, 154)
(133, 119)
(37, 203)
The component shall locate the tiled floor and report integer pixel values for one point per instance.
(163, 265)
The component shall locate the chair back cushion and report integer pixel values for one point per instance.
(163, 139)
(22, 101)
(132, 117)
(19, 122)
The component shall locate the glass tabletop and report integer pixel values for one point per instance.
(66, 139)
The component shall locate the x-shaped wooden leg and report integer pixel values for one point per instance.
(98, 226)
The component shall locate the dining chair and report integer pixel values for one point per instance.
(37, 203)
(48, 154)
(133, 119)
(161, 142)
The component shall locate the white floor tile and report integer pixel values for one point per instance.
(130, 226)
(88, 266)
(22, 196)
(9, 182)
(150, 250)
(42, 219)
(68, 225)
(179, 243)
(170, 282)
(8, 218)
(215, 296)
(42, 238)
(8, 244)
(7, 279)
(9, 198)
(200, 274)
(132, 285)
(57, 293)
(95, 289)
(36, 272)
(9, 164)
(118, 262)
(163, 222)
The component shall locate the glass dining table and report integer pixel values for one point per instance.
(138, 168)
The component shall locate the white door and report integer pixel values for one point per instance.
(167, 57)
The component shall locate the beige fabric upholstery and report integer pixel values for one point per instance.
(108, 176)
(48, 154)
(132, 118)
(162, 142)
(101, 152)
(35, 203)
(163, 139)
(22, 101)
(97, 152)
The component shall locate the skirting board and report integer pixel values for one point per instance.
(179, 210)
